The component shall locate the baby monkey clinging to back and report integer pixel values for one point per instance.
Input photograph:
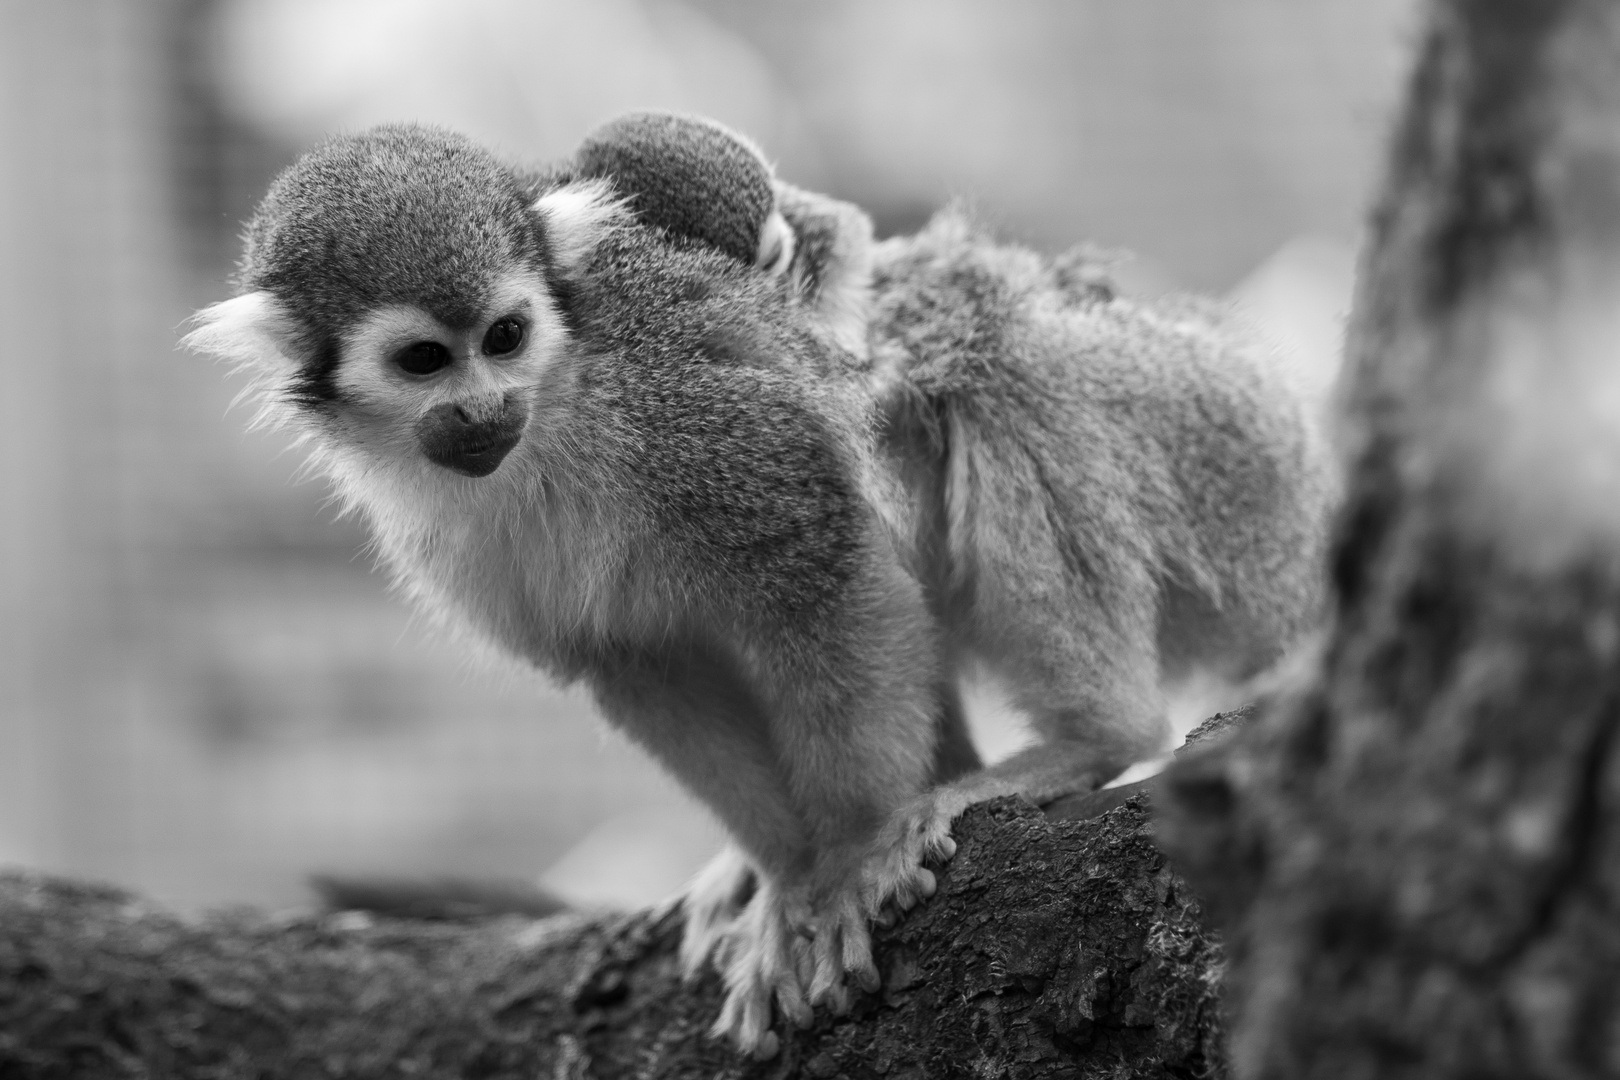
(630, 457)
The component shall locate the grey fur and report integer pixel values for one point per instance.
(768, 552)
(1108, 493)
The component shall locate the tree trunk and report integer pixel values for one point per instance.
(1057, 946)
(1417, 860)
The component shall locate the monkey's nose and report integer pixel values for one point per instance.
(461, 416)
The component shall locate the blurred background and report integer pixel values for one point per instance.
(206, 690)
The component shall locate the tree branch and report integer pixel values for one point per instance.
(1054, 948)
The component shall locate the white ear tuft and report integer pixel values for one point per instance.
(256, 336)
(577, 216)
(251, 332)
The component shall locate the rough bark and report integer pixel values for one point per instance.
(1417, 860)
(1054, 948)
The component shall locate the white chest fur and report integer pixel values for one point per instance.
(520, 562)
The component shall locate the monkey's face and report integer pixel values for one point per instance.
(398, 308)
(406, 390)
(458, 396)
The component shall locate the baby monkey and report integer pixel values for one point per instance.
(769, 543)
(697, 179)
(694, 178)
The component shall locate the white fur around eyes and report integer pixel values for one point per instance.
(373, 384)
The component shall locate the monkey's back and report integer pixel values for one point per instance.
(747, 459)
(1147, 456)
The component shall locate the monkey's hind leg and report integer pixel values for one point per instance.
(1069, 622)
(920, 831)
(1074, 759)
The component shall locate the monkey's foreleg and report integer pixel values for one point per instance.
(804, 741)
(692, 709)
(856, 716)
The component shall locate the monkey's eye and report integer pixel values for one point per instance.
(503, 337)
(423, 358)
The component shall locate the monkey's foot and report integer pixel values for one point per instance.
(712, 902)
(918, 832)
(765, 956)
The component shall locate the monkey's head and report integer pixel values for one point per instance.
(398, 298)
(693, 177)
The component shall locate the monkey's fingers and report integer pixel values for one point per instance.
(918, 832)
(764, 955)
(699, 941)
(857, 956)
(712, 903)
(826, 983)
(791, 1000)
(843, 946)
(746, 1021)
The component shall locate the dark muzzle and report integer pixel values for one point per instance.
(470, 441)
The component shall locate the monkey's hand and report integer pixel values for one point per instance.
(712, 903)
(763, 954)
(841, 926)
(775, 945)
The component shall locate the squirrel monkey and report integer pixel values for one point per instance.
(765, 497)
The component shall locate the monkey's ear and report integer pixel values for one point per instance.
(252, 332)
(577, 216)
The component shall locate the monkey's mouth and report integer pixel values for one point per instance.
(452, 439)
(477, 458)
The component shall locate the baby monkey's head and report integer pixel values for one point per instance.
(693, 177)
(397, 298)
